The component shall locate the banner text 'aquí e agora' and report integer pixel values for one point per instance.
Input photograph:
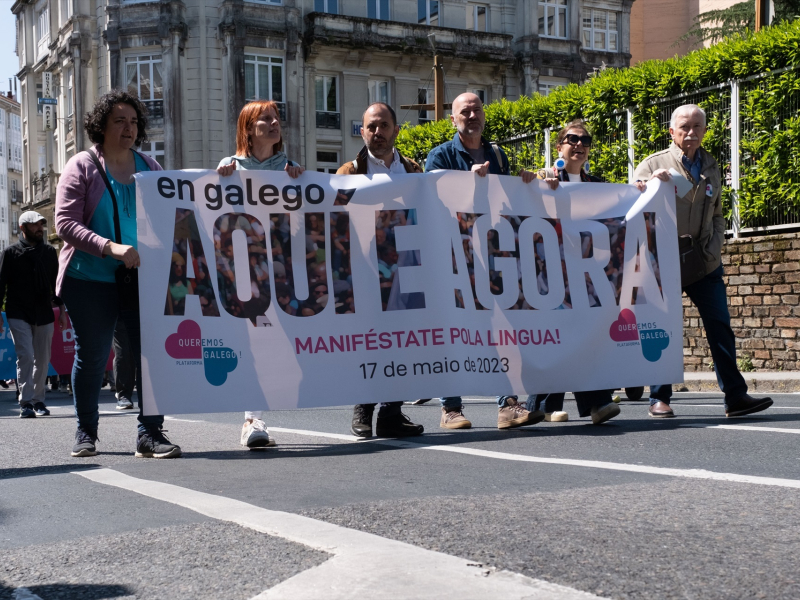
(262, 292)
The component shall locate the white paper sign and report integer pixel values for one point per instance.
(258, 291)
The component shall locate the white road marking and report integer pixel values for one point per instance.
(591, 464)
(721, 405)
(744, 428)
(363, 564)
(25, 594)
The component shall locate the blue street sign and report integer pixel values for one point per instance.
(48, 101)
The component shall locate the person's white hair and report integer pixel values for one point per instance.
(690, 108)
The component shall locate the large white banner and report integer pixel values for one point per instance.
(262, 292)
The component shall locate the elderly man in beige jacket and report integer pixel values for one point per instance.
(699, 214)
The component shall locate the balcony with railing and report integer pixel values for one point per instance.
(14, 197)
(329, 120)
(327, 30)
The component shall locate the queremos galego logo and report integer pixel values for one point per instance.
(626, 331)
(188, 347)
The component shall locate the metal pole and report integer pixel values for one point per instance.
(548, 158)
(438, 88)
(735, 157)
(631, 140)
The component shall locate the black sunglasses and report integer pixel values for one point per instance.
(573, 138)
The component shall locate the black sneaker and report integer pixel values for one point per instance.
(396, 426)
(40, 409)
(154, 444)
(362, 420)
(84, 442)
(124, 404)
(26, 411)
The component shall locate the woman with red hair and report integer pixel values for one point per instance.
(259, 147)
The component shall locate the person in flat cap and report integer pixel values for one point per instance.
(28, 271)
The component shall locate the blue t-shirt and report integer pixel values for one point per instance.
(96, 268)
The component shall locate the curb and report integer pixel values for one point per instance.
(758, 382)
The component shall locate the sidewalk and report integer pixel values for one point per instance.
(758, 381)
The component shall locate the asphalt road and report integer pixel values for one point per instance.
(699, 506)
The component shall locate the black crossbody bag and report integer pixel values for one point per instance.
(127, 279)
(693, 264)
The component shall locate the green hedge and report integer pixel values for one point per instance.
(768, 107)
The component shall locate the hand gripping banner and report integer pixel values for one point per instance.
(259, 291)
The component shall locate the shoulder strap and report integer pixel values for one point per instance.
(102, 171)
(499, 156)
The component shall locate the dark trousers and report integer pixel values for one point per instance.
(125, 371)
(709, 296)
(586, 401)
(94, 309)
(387, 409)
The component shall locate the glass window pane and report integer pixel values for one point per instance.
(422, 11)
(612, 21)
(551, 17)
(333, 7)
(263, 82)
(249, 81)
(158, 89)
(144, 81)
(541, 19)
(434, 12)
(133, 80)
(599, 19)
(331, 97)
(587, 38)
(562, 23)
(277, 83)
(372, 6)
(385, 9)
(470, 17)
(483, 21)
(612, 41)
(320, 94)
(383, 92)
(600, 40)
(278, 61)
(319, 5)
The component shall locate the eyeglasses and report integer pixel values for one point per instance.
(572, 139)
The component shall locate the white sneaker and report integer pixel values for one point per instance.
(556, 416)
(256, 435)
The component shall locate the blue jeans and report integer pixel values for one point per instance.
(586, 401)
(93, 308)
(709, 296)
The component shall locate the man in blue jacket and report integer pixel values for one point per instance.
(470, 151)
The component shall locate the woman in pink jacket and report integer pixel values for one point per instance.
(96, 218)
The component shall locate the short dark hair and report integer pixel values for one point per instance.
(386, 106)
(97, 119)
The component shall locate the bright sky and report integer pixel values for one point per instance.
(9, 63)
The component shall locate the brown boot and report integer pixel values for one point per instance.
(454, 419)
(513, 415)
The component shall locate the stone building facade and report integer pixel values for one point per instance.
(10, 169)
(195, 63)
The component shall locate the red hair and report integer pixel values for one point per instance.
(247, 118)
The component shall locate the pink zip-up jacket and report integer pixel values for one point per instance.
(79, 191)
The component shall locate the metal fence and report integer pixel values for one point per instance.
(627, 136)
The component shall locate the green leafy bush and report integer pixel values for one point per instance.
(770, 121)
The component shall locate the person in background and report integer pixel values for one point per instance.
(259, 147)
(28, 271)
(89, 259)
(378, 155)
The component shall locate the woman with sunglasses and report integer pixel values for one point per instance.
(259, 147)
(573, 145)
